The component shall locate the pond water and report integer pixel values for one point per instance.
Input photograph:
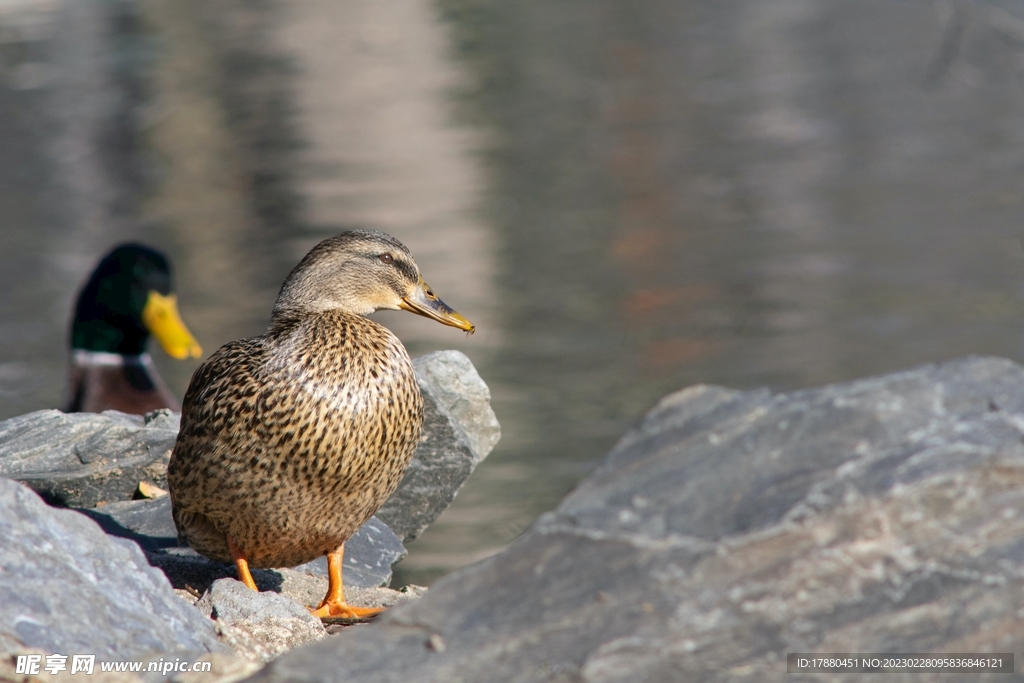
(626, 197)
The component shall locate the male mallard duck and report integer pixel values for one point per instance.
(128, 297)
(290, 441)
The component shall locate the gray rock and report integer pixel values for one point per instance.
(459, 430)
(276, 622)
(66, 588)
(729, 528)
(81, 459)
(368, 555)
(148, 522)
(452, 381)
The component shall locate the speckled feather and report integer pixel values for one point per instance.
(291, 440)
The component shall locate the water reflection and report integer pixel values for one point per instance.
(784, 193)
(626, 197)
(381, 150)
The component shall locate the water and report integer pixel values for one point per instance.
(625, 197)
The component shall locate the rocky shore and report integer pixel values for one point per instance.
(724, 531)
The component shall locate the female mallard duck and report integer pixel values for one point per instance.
(128, 297)
(290, 441)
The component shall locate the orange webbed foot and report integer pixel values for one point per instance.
(330, 609)
(333, 606)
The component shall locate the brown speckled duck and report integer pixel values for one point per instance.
(290, 441)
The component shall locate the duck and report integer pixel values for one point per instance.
(127, 298)
(290, 441)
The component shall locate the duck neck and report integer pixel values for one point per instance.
(125, 338)
(289, 318)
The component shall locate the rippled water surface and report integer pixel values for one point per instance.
(626, 197)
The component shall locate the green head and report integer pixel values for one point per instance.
(127, 298)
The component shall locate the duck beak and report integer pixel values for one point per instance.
(161, 318)
(424, 302)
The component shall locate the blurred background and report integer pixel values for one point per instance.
(626, 196)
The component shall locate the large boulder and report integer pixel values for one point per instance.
(729, 528)
(66, 588)
(459, 430)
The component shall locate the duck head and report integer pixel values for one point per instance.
(359, 272)
(127, 298)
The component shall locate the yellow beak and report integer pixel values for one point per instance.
(161, 318)
(424, 302)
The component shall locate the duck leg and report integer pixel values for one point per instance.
(333, 604)
(241, 564)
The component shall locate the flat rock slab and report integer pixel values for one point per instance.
(82, 459)
(729, 528)
(459, 430)
(147, 522)
(68, 588)
(369, 554)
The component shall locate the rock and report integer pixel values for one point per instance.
(459, 430)
(224, 669)
(368, 555)
(276, 622)
(730, 528)
(69, 588)
(147, 522)
(452, 381)
(82, 459)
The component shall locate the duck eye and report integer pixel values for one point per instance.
(386, 258)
